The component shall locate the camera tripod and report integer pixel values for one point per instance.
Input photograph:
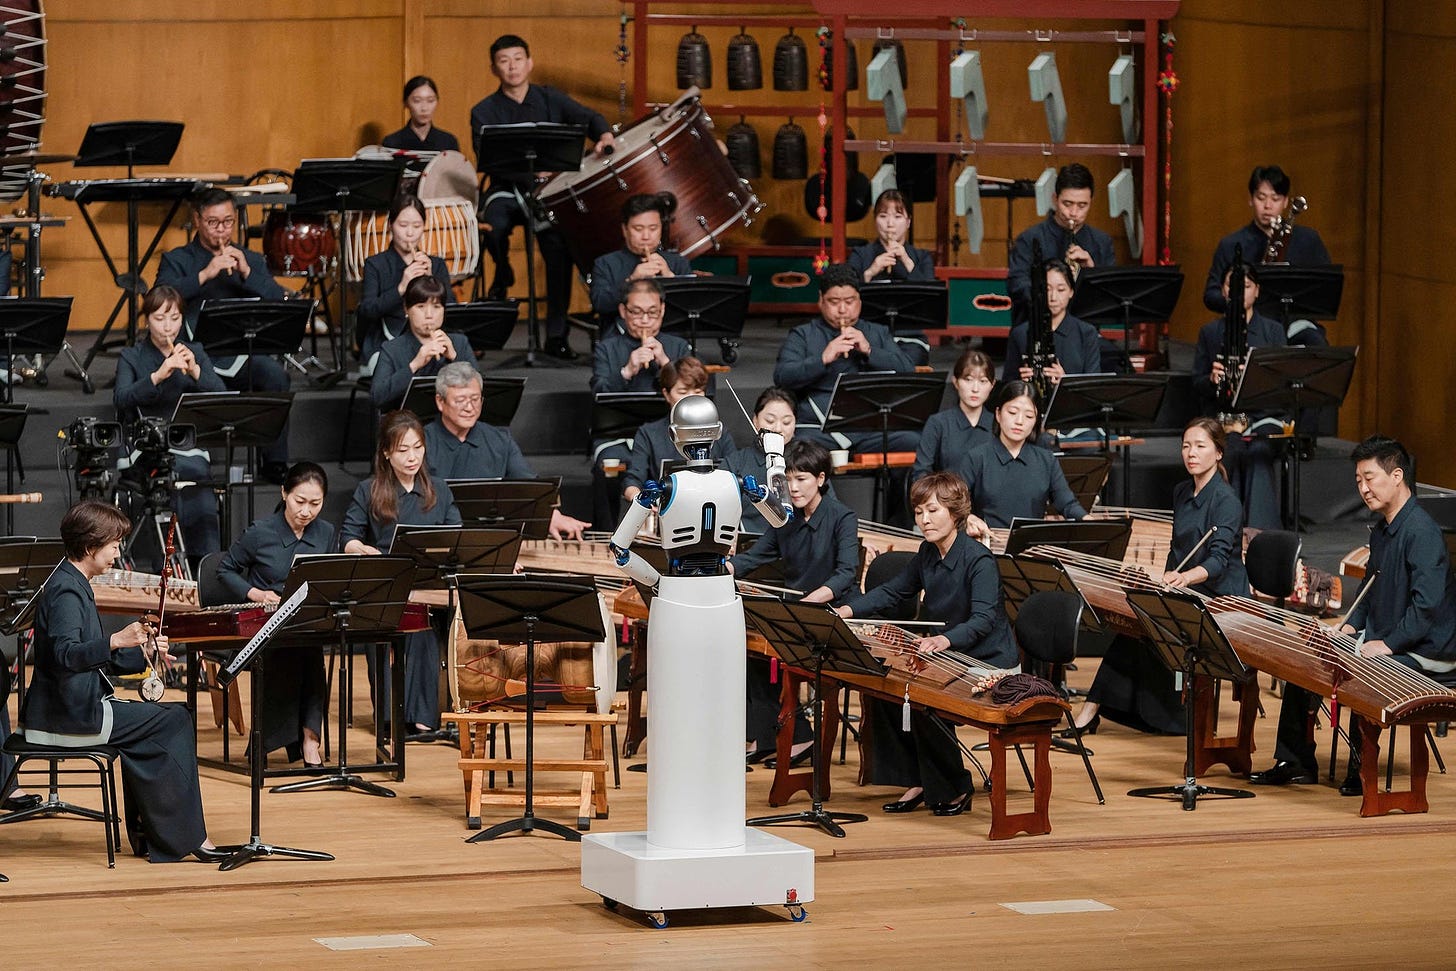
(157, 491)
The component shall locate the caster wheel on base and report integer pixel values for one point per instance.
(797, 913)
(610, 904)
(656, 918)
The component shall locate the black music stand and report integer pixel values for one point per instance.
(526, 609)
(1022, 576)
(905, 306)
(1107, 402)
(503, 151)
(25, 564)
(618, 414)
(1086, 476)
(245, 327)
(12, 426)
(1105, 538)
(715, 307)
(341, 186)
(487, 324)
(1126, 295)
(1292, 378)
(30, 326)
(883, 402)
(1187, 640)
(233, 419)
(129, 143)
(500, 399)
(515, 504)
(811, 637)
(350, 596)
(1288, 293)
(255, 651)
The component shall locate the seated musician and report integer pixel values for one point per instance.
(772, 412)
(1407, 617)
(150, 376)
(1132, 686)
(1011, 478)
(1076, 343)
(387, 274)
(421, 350)
(421, 99)
(654, 443)
(402, 493)
(819, 548)
(254, 570)
(958, 579)
(642, 256)
(890, 257)
(461, 446)
(519, 101)
(69, 701)
(211, 267)
(954, 431)
(1064, 234)
(1251, 457)
(814, 355)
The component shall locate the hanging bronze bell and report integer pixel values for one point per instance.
(694, 61)
(742, 142)
(899, 47)
(851, 60)
(791, 63)
(745, 65)
(790, 152)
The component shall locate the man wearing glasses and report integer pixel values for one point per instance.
(629, 355)
(211, 267)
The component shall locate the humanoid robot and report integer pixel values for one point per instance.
(696, 851)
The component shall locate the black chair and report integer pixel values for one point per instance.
(1272, 562)
(1046, 630)
(103, 763)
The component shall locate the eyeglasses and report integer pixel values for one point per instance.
(644, 313)
(471, 402)
(220, 223)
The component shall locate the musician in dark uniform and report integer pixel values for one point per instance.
(961, 588)
(211, 267)
(1251, 457)
(1063, 234)
(653, 443)
(891, 258)
(819, 550)
(70, 702)
(150, 376)
(421, 350)
(1011, 478)
(772, 412)
(386, 274)
(517, 100)
(814, 355)
(954, 431)
(459, 445)
(1407, 617)
(254, 570)
(421, 98)
(1076, 343)
(402, 492)
(641, 257)
(1132, 686)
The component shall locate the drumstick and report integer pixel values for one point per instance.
(21, 497)
(1196, 547)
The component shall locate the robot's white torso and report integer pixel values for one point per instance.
(702, 510)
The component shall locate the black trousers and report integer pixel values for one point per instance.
(295, 697)
(501, 215)
(763, 708)
(1252, 469)
(927, 755)
(1135, 689)
(159, 778)
(421, 682)
(1293, 743)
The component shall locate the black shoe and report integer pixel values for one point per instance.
(1352, 786)
(559, 349)
(205, 854)
(426, 736)
(758, 755)
(501, 283)
(794, 761)
(904, 805)
(15, 804)
(953, 808)
(1282, 774)
(1089, 729)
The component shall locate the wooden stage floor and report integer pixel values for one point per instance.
(1292, 878)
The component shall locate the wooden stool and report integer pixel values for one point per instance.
(591, 799)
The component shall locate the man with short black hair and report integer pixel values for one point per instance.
(1063, 234)
(642, 256)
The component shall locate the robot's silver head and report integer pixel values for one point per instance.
(695, 426)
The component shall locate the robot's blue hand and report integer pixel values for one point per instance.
(651, 492)
(621, 554)
(754, 491)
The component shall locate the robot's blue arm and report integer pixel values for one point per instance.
(771, 503)
(621, 543)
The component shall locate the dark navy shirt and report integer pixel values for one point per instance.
(1075, 342)
(1222, 554)
(392, 375)
(800, 366)
(613, 351)
(1005, 488)
(962, 590)
(263, 555)
(819, 551)
(1412, 607)
(653, 445)
(1054, 244)
(861, 257)
(136, 395)
(1262, 332)
(360, 524)
(947, 438)
(1305, 249)
(541, 103)
(181, 266)
(611, 270)
(381, 301)
(434, 141)
(486, 452)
